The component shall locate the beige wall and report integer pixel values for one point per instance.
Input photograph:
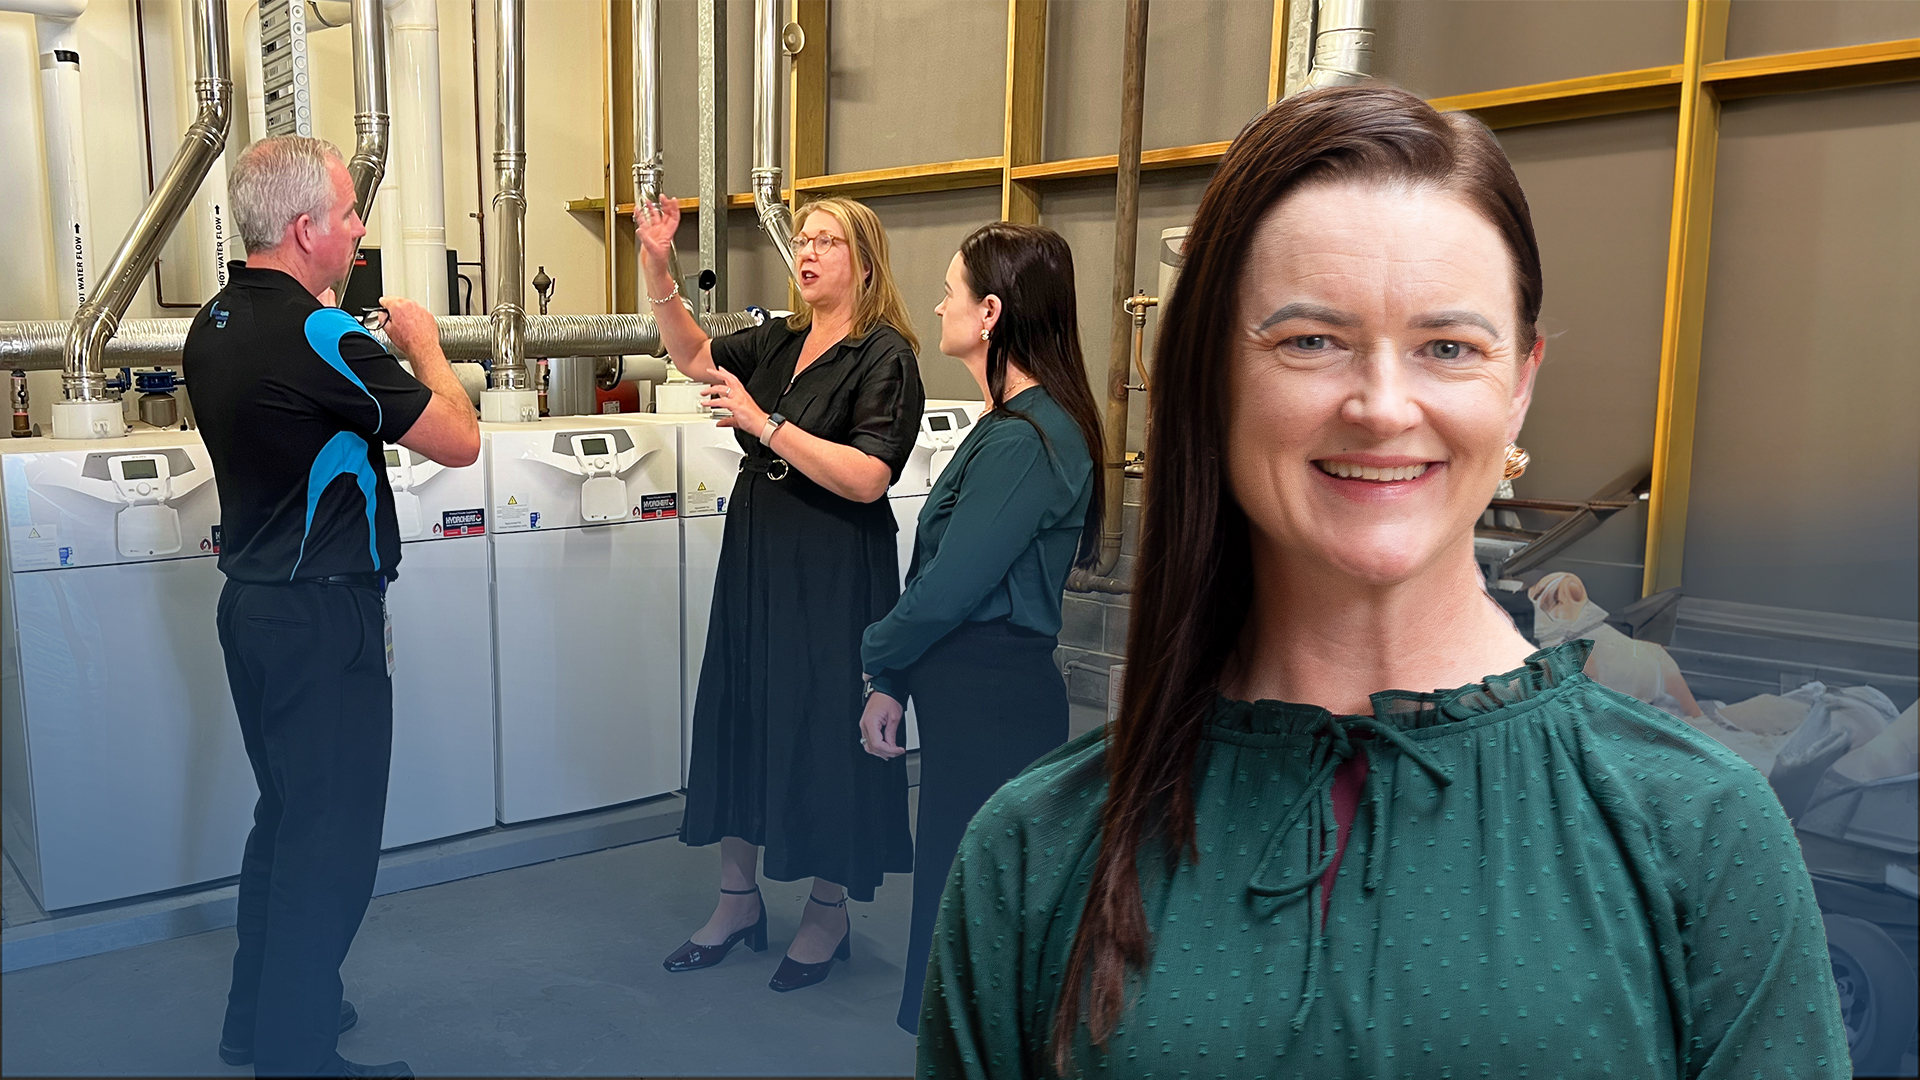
(912, 81)
(1764, 27)
(1440, 47)
(1600, 191)
(1806, 461)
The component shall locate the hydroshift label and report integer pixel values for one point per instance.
(664, 505)
(463, 523)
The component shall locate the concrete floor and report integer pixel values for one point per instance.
(552, 969)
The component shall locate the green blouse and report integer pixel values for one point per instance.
(1545, 878)
(996, 537)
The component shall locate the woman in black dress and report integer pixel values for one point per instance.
(826, 405)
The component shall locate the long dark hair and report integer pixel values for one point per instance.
(1190, 584)
(1030, 268)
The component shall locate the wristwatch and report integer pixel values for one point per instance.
(774, 420)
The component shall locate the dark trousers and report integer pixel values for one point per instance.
(989, 702)
(307, 665)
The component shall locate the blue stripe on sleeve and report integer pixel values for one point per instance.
(325, 330)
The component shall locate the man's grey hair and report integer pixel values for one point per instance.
(274, 182)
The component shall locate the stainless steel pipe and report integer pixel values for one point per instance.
(39, 345)
(648, 159)
(97, 320)
(1342, 43)
(372, 122)
(776, 218)
(1126, 238)
(508, 320)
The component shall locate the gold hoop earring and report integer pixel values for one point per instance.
(1517, 461)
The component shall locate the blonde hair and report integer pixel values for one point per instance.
(876, 299)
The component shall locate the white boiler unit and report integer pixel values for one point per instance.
(124, 769)
(442, 779)
(585, 533)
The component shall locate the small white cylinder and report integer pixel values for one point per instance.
(418, 160)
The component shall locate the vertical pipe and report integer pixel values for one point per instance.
(256, 75)
(713, 146)
(86, 413)
(1342, 43)
(1126, 229)
(370, 118)
(419, 156)
(61, 118)
(509, 316)
(775, 217)
(648, 159)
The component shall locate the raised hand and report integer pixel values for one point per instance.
(655, 225)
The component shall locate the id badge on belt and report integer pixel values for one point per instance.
(386, 629)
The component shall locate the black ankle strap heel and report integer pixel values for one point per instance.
(741, 892)
(842, 902)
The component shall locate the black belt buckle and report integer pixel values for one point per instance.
(777, 469)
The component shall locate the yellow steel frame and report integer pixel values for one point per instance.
(1695, 88)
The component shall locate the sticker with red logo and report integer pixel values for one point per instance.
(462, 523)
(652, 507)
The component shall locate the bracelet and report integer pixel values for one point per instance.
(669, 296)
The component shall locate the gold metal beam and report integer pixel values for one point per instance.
(1816, 69)
(1277, 52)
(1026, 107)
(1172, 157)
(903, 179)
(1571, 99)
(1680, 331)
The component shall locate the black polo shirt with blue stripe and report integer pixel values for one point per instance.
(295, 401)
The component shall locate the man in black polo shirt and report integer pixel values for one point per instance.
(295, 399)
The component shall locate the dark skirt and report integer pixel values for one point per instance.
(989, 703)
(776, 756)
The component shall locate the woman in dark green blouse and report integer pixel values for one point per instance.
(973, 634)
(1276, 865)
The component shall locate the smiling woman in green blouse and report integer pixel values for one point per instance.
(1278, 862)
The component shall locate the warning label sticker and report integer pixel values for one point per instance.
(706, 500)
(463, 523)
(665, 505)
(514, 513)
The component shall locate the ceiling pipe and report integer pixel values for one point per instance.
(87, 412)
(510, 396)
(1126, 238)
(61, 118)
(776, 218)
(371, 121)
(1342, 43)
(39, 344)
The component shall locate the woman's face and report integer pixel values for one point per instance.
(826, 280)
(1375, 379)
(962, 315)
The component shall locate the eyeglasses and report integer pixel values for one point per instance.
(821, 243)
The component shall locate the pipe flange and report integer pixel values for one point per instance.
(792, 39)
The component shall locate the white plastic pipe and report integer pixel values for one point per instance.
(61, 118)
(256, 77)
(418, 154)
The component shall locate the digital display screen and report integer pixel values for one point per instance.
(593, 447)
(393, 459)
(139, 468)
(939, 423)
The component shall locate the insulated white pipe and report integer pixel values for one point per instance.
(256, 76)
(65, 136)
(418, 155)
(65, 132)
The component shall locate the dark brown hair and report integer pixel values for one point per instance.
(1190, 594)
(1030, 268)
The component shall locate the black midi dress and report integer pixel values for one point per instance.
(776, 756)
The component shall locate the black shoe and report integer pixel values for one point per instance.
(388, 1069)
(693, 957)
(793, 974)
(243, 1055)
